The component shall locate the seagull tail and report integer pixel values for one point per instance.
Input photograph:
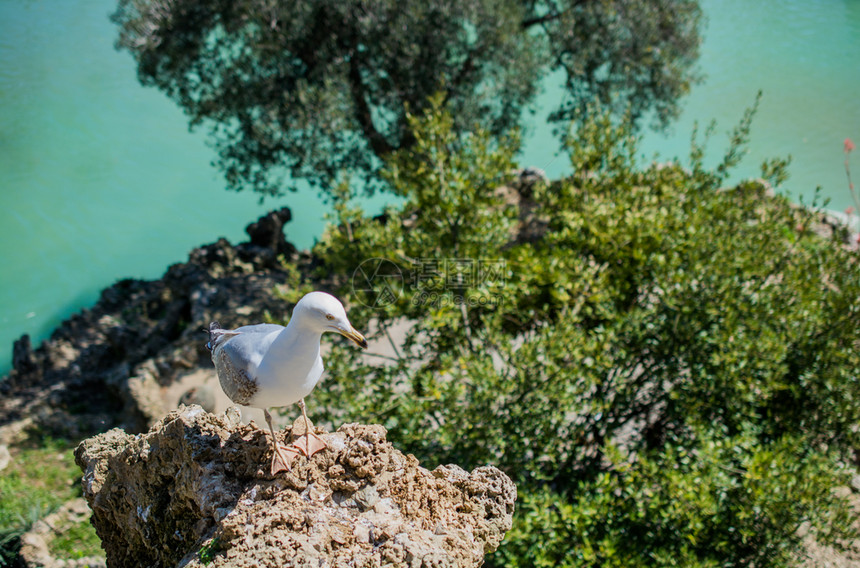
(217, 334)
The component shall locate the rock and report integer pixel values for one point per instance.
(196, 491)
(203, 396)
(268, 232)
(35, 543)
(527, 178)
(111, 365)
(22, 355)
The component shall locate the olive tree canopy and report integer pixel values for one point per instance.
(315, 88)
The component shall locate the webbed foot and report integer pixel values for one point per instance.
(282, 459)
(309, 444)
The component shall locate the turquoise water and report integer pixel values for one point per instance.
(805, 58)
(101, 180)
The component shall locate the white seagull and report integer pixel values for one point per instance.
(267, 365)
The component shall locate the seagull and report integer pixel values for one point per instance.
(268, 365)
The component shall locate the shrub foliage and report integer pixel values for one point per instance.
(668, 369)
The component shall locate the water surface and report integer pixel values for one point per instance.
(101, 180)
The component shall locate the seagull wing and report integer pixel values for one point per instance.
(237, 354)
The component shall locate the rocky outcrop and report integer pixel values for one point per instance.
(195, 491)
(267, 233)
(112, 364)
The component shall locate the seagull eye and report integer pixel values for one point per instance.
(329, 317)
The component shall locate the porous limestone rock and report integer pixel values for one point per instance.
(195, 490)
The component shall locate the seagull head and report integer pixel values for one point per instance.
(324, 312)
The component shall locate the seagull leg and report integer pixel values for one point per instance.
(312, 442)
(278, 456)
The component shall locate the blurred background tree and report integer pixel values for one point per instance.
(314, 89)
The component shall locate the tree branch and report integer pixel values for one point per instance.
(538, 20)
(363, 115)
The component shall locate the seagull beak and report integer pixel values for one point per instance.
(351, 333)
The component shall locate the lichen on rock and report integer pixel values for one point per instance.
(195, 491)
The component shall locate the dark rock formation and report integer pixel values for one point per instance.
(195, 491)
(105, 365)
(267, 233)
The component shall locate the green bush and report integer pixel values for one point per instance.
(668, 371)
